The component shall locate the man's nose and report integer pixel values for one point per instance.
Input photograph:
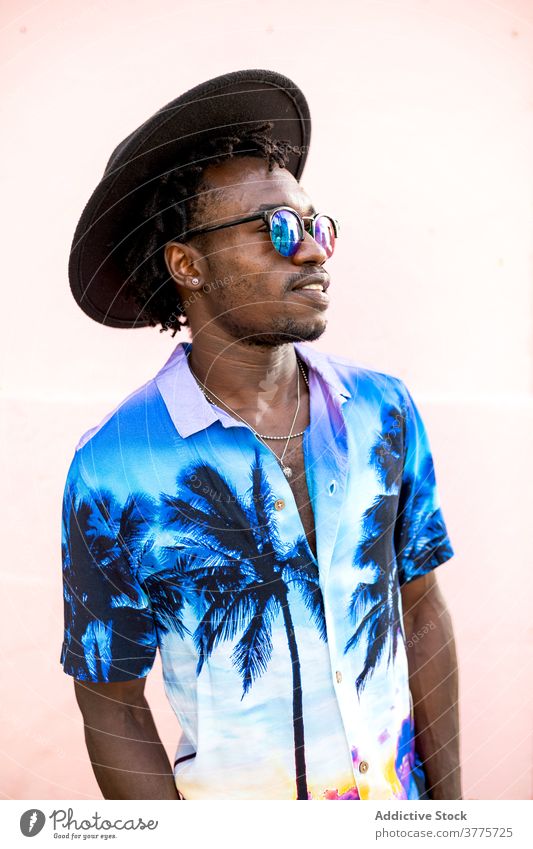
(309, 251)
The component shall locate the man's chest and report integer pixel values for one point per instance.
(294, 458)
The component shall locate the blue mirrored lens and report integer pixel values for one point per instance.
(325, 233)
(285, 232)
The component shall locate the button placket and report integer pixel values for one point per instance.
(348, 703)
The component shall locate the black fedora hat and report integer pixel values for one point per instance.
(218, 106)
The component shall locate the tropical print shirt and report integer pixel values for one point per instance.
(287, 672)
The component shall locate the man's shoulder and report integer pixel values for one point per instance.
(350, 366)
(141, 415)
(126, 451)
(362, 380)
(130, 422)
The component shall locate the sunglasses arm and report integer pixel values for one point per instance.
(197, 230)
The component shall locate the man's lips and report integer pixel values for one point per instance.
(317, 298)
(322, 279)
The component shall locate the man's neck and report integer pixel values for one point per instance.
(250, 380)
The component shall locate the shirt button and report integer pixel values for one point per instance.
(279, 504)
(363, 766)
(338, 676)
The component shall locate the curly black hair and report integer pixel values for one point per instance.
(172, 209)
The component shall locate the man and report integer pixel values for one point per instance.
(264, 514)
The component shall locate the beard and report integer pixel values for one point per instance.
(283, 331)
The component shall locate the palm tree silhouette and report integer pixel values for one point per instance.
(169, 589)
(102, 549)
(429, 531)
(374, 605)
(242, 573)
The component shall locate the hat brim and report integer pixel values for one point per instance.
(218, 106)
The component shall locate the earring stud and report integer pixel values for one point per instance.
(195, 281)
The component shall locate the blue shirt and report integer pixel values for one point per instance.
(287, 673)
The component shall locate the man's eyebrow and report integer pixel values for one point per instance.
(264, 207)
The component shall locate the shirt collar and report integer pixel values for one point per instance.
(190, 410)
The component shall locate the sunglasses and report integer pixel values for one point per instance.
(287, 229)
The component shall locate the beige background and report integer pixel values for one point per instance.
(422, 147)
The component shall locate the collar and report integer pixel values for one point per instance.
(188, 407)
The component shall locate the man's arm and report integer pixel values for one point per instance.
(126, 753)
(433, 681)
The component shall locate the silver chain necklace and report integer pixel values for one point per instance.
(287, 471)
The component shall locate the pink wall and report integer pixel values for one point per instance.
(423, 132)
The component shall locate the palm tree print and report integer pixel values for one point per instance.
(99, 537)
(242, 573)
(169, 589)
(374, 605)
(415, 524)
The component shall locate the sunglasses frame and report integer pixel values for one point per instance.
(266, 216)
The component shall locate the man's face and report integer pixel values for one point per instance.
(248, 287)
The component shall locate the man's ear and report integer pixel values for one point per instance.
(186, 265)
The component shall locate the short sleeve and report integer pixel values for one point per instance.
(421, 539)
(109, 632)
